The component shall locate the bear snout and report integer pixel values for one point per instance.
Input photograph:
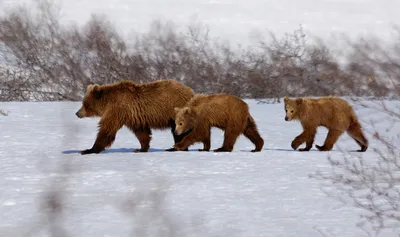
(79, 114)
(286, 118)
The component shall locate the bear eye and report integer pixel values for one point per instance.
(291, 111)
(180, 124)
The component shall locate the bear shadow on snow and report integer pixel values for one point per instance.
(130, 150)
(291, 150)
(121, 150)
(114, 150)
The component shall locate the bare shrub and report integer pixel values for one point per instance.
(375, 68)
(371, 183)
(2, 112)
(44, 60)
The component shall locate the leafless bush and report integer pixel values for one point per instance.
(151, 216)
(371, 183)
(375, 68)
(2, 112)
(44, 60)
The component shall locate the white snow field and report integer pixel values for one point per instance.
(235, 194)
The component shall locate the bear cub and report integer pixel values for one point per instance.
(227, 112)
(333, 113)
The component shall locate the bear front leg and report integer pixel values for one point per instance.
(307, 136)
(310, 135)
(184, 144)
(105, 136)
(298, 141)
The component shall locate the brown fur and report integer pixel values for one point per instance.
(331, 112)
(140, 107)
(223, 111)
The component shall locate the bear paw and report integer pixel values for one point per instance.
(177, 148)
(140, 150)
(222, 149)
(204, 149)
(363, 149)
(304, 149)
(255, 150)
(295, 144)
(171, 149)
(88, 151)
(322, 148)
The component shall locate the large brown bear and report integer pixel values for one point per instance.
(224, 111)
(140, 107)
(331, 112)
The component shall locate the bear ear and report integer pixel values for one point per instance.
(285, 99)
(96, 91)
(186, 110)
(91, 86)
(177, 109)
(299, 101)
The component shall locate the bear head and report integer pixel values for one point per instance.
(185, 119)
(292, 108)
(92, 104)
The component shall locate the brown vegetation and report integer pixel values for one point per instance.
(44, 60)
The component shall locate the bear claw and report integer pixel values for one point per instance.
(176, 149)
(304, 149)
(221, 149)
(294, 145)
(88, 151)
(171, 149)
(140, 150)
(322, 148)
(363, 149)
(203, 150)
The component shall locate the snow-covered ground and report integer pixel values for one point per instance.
(239, 21)
(236, 194)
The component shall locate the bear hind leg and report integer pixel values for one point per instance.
(108, 129)
(230, 137)
(355, 132)
(253, 135)
(331, 138)
(206, 141)
(144, 137)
